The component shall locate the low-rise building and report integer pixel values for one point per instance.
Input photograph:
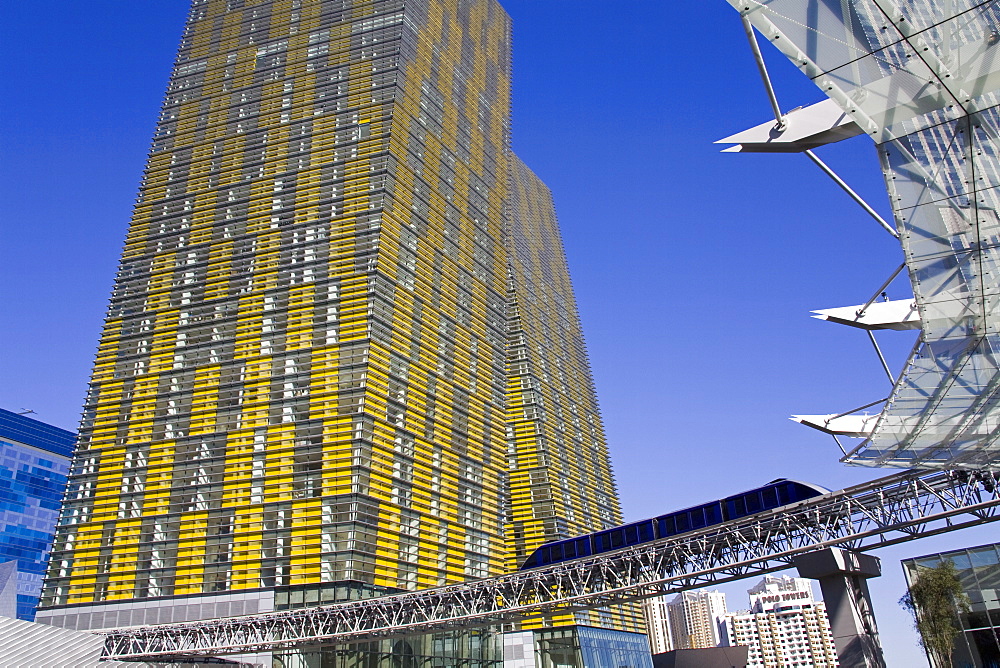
(710, 657)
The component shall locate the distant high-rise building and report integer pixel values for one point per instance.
(657, 624)
(342, 355)
(978, 570)
(34, 463)
(785, 626)
(691, 620)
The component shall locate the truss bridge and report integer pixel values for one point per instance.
(883, 512)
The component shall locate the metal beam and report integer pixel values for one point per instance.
(883, 512)
(764, 76)
(881, 290)
(881, 357)
(850, 192)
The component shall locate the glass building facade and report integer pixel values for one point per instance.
(922, 79)
(590, 647)
(979, 571)
(470, 649)
(342, 356)
(34, 462)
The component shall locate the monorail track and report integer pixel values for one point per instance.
(887, 511)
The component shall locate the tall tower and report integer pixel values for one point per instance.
(696, 619)
(561, 483)
(301, 391)
(560, 480)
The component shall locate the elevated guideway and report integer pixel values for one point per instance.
(887, 511)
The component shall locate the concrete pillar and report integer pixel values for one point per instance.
(842, 576)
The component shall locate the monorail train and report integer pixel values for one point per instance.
(775, 494)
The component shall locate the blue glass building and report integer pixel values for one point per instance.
(34, 462)
(576, 646)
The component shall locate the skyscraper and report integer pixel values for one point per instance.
(560, 479)
(695, 619)
(559, 476)
(690, 620)
(302, 391)
(658, 624)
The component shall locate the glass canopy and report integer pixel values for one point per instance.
(921, 77)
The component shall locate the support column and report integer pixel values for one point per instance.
(842, 576)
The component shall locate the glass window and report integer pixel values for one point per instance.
(645, 531)
(713, 513)
(737, 507)
(962, 561)
(985, 641)
(977, 619)
(785, 493)
(984, 556)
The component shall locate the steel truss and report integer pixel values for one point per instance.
(883, 512)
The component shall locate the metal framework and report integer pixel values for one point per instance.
(922, 79)
(883, 512)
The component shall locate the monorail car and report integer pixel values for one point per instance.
(775, 494)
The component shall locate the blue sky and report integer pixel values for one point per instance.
(695, 270)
